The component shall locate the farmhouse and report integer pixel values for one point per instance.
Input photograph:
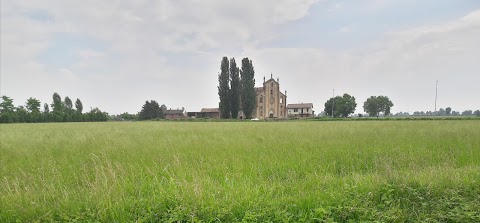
(175, 113)
(302, 110)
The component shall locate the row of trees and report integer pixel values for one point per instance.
(441, 112)
(61, 111)
(343, 106)
(236, 88)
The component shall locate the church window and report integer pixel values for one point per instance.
(261, 99)
(271, 91)
(281, 100)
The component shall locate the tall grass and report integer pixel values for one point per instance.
(241, 171)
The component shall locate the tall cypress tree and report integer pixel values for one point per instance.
(224, 88)
(247, 74)
(234, 88)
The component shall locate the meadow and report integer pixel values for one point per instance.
(385, 171)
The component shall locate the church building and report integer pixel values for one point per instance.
(271, 102)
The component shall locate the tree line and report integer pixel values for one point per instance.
(236, 88)
(343, 106)
(441, 112)
(61, 111)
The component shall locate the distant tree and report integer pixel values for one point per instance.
(21, 114)
(46, 113)
(6, 105)
(33, 105)
(477, 112)
(46, 109)
(442, 112)
(7, 110)
(224, 88)
(151, 110)
(78, 106)
(33, 108)
(234, 89)
(467, 112)
(145, 113)
(57, 105)
(374, 105)
(344, 106)
(128, 117)
(57, 108)
(157, 111)
(248, 97)
(448, 111)
(96, 115)
(68, 104)
(68, 109)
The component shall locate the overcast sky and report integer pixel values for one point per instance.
(115, 54)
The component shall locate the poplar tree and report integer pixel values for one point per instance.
(79, 106)
(224, 88)
(247, 74)
(234, 89)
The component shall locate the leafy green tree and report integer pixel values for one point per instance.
(78, 114)
(78, 106)
(248, 97)
(467, 113)
(57, 105)
(33, 105)
(157, 111)
(224, 88)
(7, 110)
(448, 111)
(234, 89)
(477, 112)
(344, 106)
(6, 105)
(33, 108)
(57, 108)
(374, 105)
(68, 109)
(96, 115)
(68, 104)
(151, 110)
(22, 114)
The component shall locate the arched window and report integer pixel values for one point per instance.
(261, 98)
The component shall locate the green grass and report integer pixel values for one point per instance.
(392, 171)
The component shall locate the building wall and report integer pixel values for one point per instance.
(271, 103)
(307, 112)
(175, 116)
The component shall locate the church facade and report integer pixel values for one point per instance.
(271, 102)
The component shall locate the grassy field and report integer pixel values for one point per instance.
(393, 171)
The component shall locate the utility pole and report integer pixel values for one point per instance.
(436, 91)
(333, 104)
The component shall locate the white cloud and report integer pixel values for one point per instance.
(166, 50)
(404, 65)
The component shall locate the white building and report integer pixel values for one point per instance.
(303, 110)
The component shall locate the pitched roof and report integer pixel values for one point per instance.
(301, 105)
(210, 110)
(176, 111)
